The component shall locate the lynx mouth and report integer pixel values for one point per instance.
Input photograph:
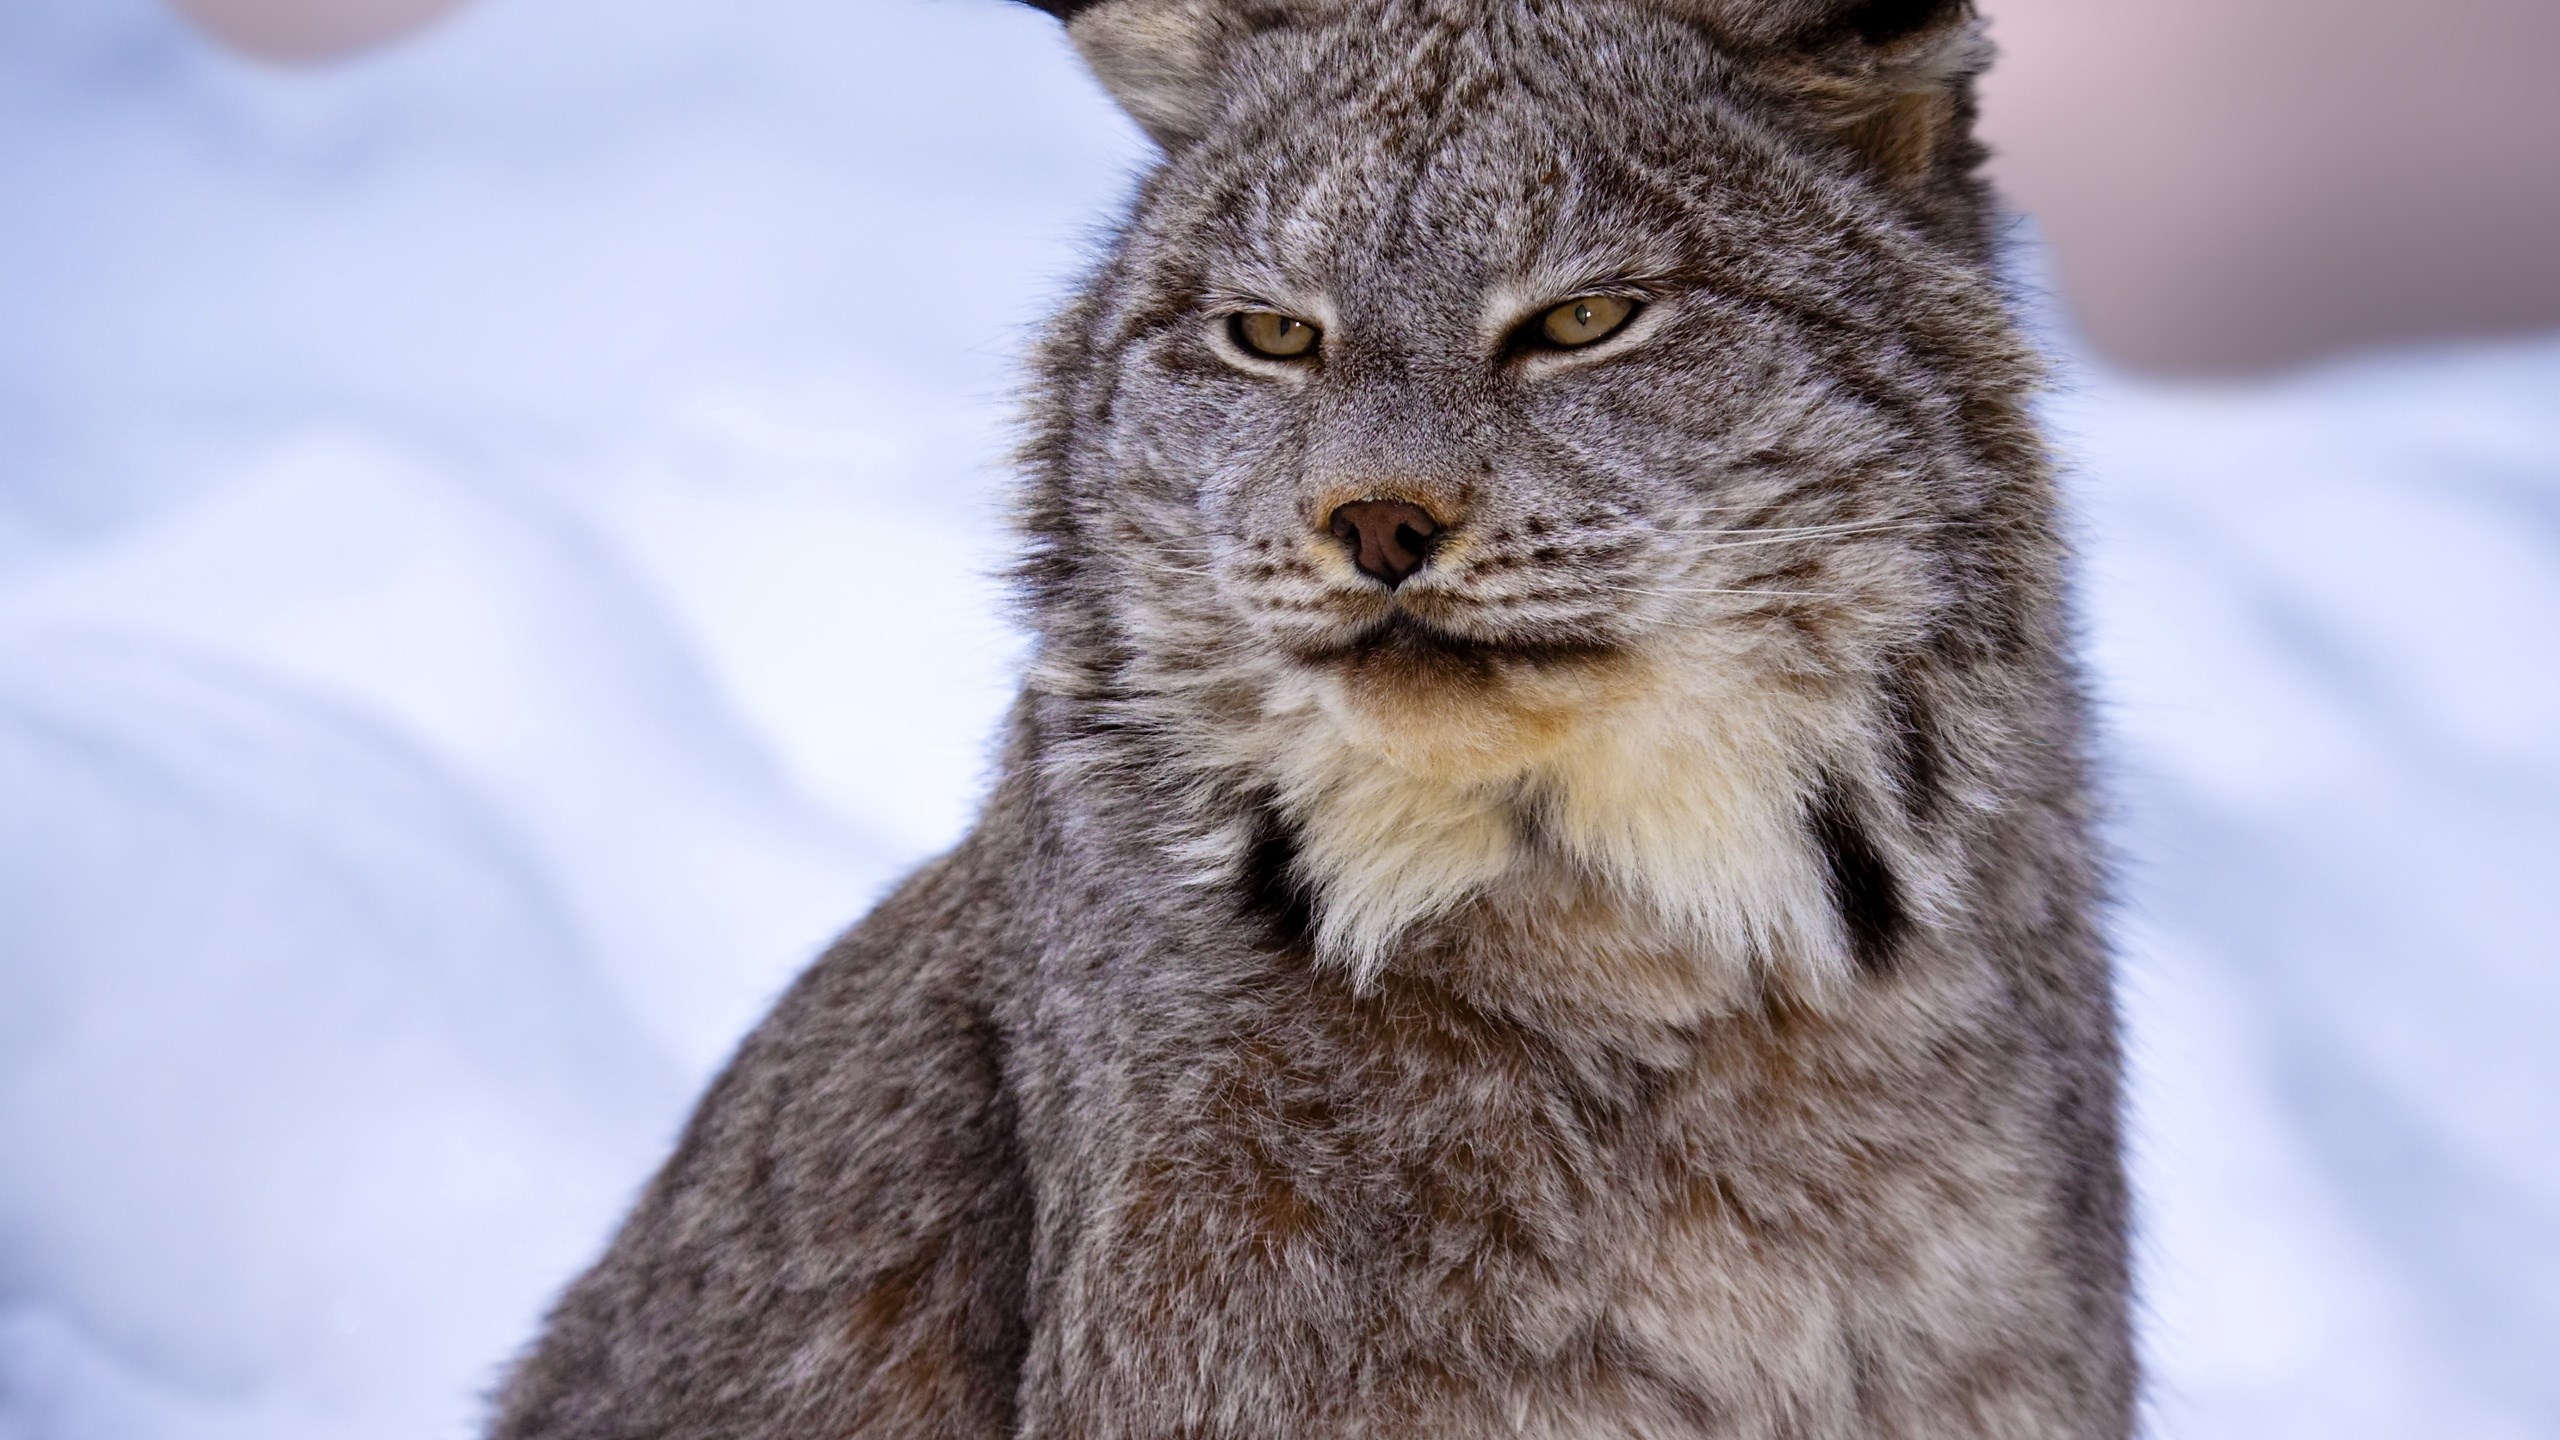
(1402, 642)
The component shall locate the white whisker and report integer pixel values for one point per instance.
(1675, 594)
(1770, 534)
(1159, 567)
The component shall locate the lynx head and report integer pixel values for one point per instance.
(1526, 443)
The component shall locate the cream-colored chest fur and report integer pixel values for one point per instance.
(1659, 800)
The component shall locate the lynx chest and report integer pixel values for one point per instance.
(1450, 1229)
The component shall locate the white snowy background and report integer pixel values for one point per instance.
(496, 554)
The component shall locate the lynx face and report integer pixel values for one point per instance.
(1574, 501)
(1532, 431)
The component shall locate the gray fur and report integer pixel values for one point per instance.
(1640, 979)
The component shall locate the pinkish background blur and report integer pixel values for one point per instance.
(2234, 184)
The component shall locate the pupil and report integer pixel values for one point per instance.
(1582, 314)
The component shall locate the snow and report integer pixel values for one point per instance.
(497, 554)
(2326, 618)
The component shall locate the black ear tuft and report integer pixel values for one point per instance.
(1063, 9)
(1881, 22)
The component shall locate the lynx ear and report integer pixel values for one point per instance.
(1161, 59)
(1893, 79)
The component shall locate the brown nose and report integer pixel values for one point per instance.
(1389, 539)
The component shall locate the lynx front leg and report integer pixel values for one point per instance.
(836, 1250)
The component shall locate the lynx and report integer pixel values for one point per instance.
(1541, 882)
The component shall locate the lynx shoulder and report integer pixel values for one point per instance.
(1541, 883)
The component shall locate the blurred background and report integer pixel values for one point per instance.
(498, 514)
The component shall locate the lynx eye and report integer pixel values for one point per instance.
(1584, 320)
(1268, 332)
